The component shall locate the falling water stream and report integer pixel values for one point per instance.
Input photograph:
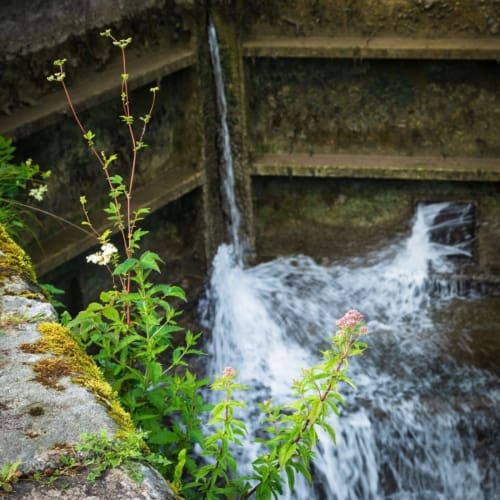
(422, 423)
(225, 146)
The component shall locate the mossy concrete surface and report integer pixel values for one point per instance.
(51, 392)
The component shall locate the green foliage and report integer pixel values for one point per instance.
(130, 331)
(218, 477)
(9, 475)
(292, 429)
(50, 291)
(101, 454)
(15, 179)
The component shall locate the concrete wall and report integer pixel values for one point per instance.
(363, 95)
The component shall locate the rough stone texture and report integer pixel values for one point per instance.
(443, 108)
(30, 25)
(36, 421)
(34, 34)
(419, 18)
(115, 484)
(35, 417)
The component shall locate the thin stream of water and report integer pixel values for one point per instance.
(225, 144)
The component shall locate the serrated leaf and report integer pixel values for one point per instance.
(149, 261)
(155, 371)
(125, 266)
(290, 473)
(170, 291)
(111, 313)
(286, 453)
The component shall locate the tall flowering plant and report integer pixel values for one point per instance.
(130, 329)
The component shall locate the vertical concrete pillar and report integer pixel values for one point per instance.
(224, 14)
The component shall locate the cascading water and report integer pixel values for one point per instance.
(421, 424)
(225, 145)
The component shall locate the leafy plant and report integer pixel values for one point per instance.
(290, 430)
(9, 475)
(15, 179)
(101, 454)
(50, 291)
(131, 329)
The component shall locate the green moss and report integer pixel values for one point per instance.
(355, 206)
(73, 361)
(14, 261)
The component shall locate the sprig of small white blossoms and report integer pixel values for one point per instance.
(103, 257)
(38, 192)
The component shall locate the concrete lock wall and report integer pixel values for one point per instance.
(332, 105)
(343, 115)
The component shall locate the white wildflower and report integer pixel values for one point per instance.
(103, 256)
(38, 192)
(108, 249)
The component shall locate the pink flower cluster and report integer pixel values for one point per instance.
(363, 330)
(350, 319)
(228, 372)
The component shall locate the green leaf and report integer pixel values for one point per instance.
(315, 410)
(127, 340)
(157, 398)
(299, 466)
(140, 212)
(127, 119)
(328, 428)
(170, 291)
(111, 313)
(286, 453)
(290, 473)
(116, 179)
(149, 261)
(155, 371)
(125, 266)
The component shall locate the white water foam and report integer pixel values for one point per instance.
(407, 431)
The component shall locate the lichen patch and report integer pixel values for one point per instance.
(71, 360)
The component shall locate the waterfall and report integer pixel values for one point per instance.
(225, 145)
(422, 423)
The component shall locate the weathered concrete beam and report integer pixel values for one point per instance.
(378, 167)
(374, 48)
(96, 88)
(62, 246)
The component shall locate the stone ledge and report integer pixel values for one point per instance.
(115, 484)
(374, 48)
(95, 89)
(378, 167)
(66, 244)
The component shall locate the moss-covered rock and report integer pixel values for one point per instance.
(13, 260)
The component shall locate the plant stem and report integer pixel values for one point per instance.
(92, 147)
(50, 214)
